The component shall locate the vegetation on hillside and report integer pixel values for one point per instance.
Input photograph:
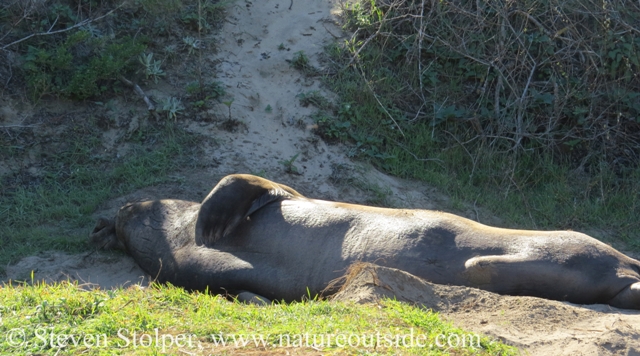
(530, 108)
(93, 53)
(87, 48)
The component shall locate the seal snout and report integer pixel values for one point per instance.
(103, 235)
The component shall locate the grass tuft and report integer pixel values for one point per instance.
(53, 212)
(40, 318)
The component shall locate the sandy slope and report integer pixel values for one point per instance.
(275, 128)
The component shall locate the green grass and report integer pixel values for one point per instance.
(108, 322)
(81, 62)
(54, 212)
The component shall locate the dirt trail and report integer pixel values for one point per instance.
(254, 52)
(253, 48)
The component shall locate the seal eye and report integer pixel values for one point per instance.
(101, 224)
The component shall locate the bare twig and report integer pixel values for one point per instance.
(437, 160)
(496, 104)
(53, 24)
(535, 22)
(10, 69)
(355, 55)
(150, 106)
(524, 200)
(473, 161)
(378, 100)
(420, 38)
(521, 108)
(18, 126)
(49, 32)
(24, 16)
(475, 208)
(332, 35)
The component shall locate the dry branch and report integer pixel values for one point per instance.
(49, 32)
(555, 71)
(150, 106)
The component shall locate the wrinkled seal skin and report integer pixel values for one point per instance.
(255, 235)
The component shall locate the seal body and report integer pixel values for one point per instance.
(272, 241)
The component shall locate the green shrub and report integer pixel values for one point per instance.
(80, 50)
(528, 75)
(529, 108)
(81, 67)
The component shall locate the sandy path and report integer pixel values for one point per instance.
(254, 51)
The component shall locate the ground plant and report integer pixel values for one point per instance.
(529, 108)
(90, 53)
(167, 320)
(82, 49)
(52, 209)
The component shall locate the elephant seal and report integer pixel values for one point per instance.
(252, 234)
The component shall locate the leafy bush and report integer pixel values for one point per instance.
(79, 49)
(81, 67)
(528, 108)
(520, 75)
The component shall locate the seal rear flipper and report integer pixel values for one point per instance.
(525, 275)
(628, 298)
(252, 298)
(231, 201)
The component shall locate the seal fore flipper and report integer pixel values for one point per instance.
(267, 198)
(231, 201)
